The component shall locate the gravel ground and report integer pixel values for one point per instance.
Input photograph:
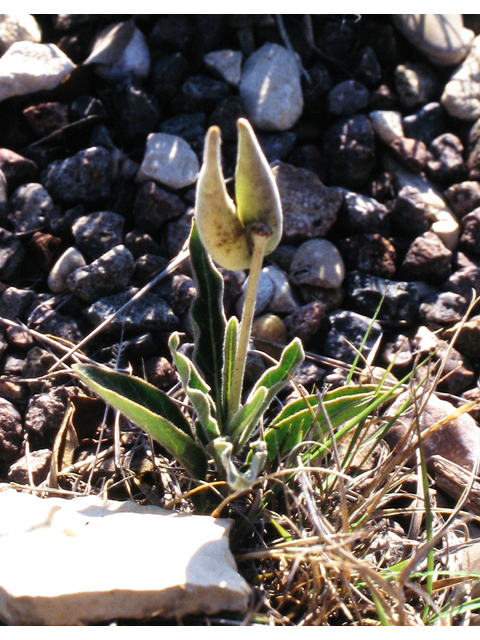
(378, 180)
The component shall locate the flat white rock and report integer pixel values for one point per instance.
(270, 88)
(169, 160)
(80, 561)
(28, 67)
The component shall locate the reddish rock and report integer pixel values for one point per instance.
(411, 152)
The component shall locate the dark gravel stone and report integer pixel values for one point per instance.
(172, 32)
(446, 163)
(410, 214)
(83, 178)
(56, 324)
(85, 106)
(17, 169)
(349, 147)
(154, 206)
(347, 97)
(167, 76)
(463, 281)
(12, 253)
(402, 299)
(45, 413)
(46, 118)
(37, 464)
(426, 124)
(127, 99)
(412, 153)
(140, 243)
(443, 308)
(150, 313)
(368, 69)
(277, 146)
(11, 431)
(30, 207)
(199, 93)
(189, 126)
(470, 238)
(226, 114)
(160, 372)
(14, 302)
(347, 330)
(463, 197)
(371, 253)
(361, 214)
(305, 321)
(98, 232)
(427, 259)
(110, 273)
(309, 208)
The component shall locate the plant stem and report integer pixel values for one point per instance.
(259, 244)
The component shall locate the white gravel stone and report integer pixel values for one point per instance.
(226, 63)
(440, 36)
(318, 263)
(270, 88)
(461, 96)
(81, 561)
(120, 51)
(70, 260)
(28, 67)
(387, 125)
(169, 160)
(16, 27)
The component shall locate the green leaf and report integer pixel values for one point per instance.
(151, 410)
(208, 316)
(244, 421)
(292, 424)
(229, 357)
(222, 450)
(196, 389)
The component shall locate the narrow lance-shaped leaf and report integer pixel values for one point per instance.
(229, 357)
(151, 410)
(273, 380)
(208, 316)
(196, 389)
(243, 423)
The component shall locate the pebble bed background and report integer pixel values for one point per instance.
(376, 151)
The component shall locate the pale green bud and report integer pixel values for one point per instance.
(256, 192)
(226, 230)
(221, 232)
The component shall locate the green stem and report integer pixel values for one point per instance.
(259, 245)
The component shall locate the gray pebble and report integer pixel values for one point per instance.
(70, 260)
(319, 263)
(83, 178)
(108, 274)
(98, 232)
(150, 313)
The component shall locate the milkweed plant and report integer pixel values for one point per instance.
(221, 429)
(235, 236)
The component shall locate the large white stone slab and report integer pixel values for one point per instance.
(70, 562)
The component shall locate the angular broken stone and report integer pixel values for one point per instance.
(64, 562)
